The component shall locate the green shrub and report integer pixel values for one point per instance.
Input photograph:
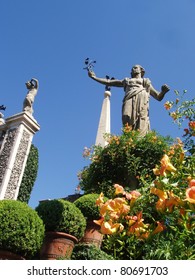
(61, 215)
(29, 176)
(89, 252)
(21, 229)
(124, 160)
(87, 205)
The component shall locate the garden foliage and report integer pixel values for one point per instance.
(89, 252)
(126, 159)
(21, 229)
(62, 216)
(29, 176)
(150, 185)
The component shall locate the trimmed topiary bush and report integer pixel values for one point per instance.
(87, 205)
(62, 216)
(89, 252)
(21, 229)
(29, 176)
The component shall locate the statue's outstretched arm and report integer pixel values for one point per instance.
(104, 81)
(159, 95)
(36, 82)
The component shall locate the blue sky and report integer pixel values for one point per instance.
(49, 40)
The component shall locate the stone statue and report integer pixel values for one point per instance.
(32, 87)
(135, 109)
(2, 121)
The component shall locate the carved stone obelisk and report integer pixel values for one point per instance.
(104, 122)
(15, 141)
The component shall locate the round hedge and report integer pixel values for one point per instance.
(62, 215)
(21, 229)
(86, 204)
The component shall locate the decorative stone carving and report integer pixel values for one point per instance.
(5, 151)
(18, 166)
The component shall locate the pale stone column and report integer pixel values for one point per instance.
(104, 122)
(15, 140)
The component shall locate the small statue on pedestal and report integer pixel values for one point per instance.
(32, 87)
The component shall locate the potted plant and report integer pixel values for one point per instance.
(64, 226)
(21, 230)
(87, 205)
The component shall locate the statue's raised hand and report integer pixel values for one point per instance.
(91, 74)
(165, 88)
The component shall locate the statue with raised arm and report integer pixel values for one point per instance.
(32, 87)
(135, 109)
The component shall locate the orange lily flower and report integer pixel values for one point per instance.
(161, 203)
(192, 125)
(119, 205)
(119, 189)
(135, 194)
(190, 194)
(172, 201)
(99, 222)
(166, 165)
(168, 105)
(192, 183)
(100, 199)
(160, 227)
(110, 228)
(115, 207)
(181, 156)
(161, 194)
(105, 208)
(156, 171)
(141, 233)
(132, 220)
(137, 226)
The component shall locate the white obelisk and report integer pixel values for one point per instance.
(104, 122)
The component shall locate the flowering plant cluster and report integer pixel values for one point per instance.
(115, 214)
(125, 159)
(150, 185)
(182, 112)
(158, 221)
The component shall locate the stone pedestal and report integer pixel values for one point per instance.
(15, 140)
(104, 122)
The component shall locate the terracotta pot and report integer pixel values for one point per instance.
(57, 245)
(7, 255)
(92, 234)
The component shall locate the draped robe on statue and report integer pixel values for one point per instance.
(135, 109)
